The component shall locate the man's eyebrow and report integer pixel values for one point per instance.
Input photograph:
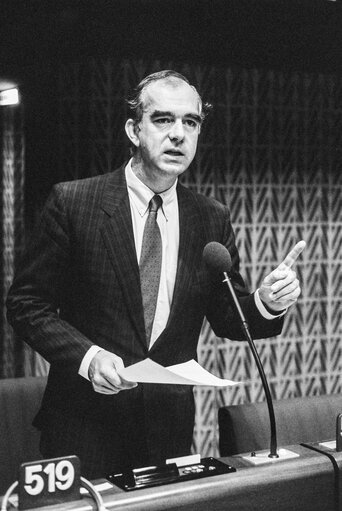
(161, 113)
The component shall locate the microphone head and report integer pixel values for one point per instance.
(217, 257)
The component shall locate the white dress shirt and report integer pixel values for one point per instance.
(168, 222)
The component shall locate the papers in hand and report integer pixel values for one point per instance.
(188, 373)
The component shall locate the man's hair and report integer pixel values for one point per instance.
(135, 100)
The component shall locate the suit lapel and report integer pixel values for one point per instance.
(117, 233)
(190, 247)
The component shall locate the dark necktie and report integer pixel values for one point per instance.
(150, 264)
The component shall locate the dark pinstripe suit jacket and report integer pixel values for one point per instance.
(79, 285)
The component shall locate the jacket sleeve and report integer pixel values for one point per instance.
(221, 312)
(40, 285)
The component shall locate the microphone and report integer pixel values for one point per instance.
(217, 257)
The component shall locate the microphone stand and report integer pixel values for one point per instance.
(244, 324)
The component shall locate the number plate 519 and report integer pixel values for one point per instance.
(46, 482)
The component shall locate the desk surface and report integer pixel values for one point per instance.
(304, 483)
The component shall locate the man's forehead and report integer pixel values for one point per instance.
(166, 95)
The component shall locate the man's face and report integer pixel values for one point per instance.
(168, 131)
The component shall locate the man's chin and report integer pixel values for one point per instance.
(174, 167)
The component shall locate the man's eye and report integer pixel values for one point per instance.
(163, 120)
(190, 123)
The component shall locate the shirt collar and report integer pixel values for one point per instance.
(140, 194)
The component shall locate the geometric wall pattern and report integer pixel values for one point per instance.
(12, 355)
(272, 150)
(280, 141)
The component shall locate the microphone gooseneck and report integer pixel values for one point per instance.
(217, 257)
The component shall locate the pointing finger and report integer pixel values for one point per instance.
(293, 254)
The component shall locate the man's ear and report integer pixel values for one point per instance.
(132, 131)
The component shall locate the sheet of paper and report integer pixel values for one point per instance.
(188, 373)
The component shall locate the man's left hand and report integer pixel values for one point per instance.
(281, 289)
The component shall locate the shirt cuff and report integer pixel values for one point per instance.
(84, 367)
(262, 309)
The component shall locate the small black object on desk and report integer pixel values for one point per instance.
(169, 473)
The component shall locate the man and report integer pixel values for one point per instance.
(80, 296)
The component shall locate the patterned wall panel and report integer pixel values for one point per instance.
(271, 150)
(12, 228)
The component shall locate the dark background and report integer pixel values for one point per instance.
(295, 34)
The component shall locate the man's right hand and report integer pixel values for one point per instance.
(104, 376)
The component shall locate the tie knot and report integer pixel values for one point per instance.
(155, 203)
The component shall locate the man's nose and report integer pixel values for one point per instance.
(176, 132)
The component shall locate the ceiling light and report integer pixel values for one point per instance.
(9, 97)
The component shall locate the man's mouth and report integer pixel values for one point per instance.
(174, 152)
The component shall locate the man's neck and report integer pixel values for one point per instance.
(156, 182)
